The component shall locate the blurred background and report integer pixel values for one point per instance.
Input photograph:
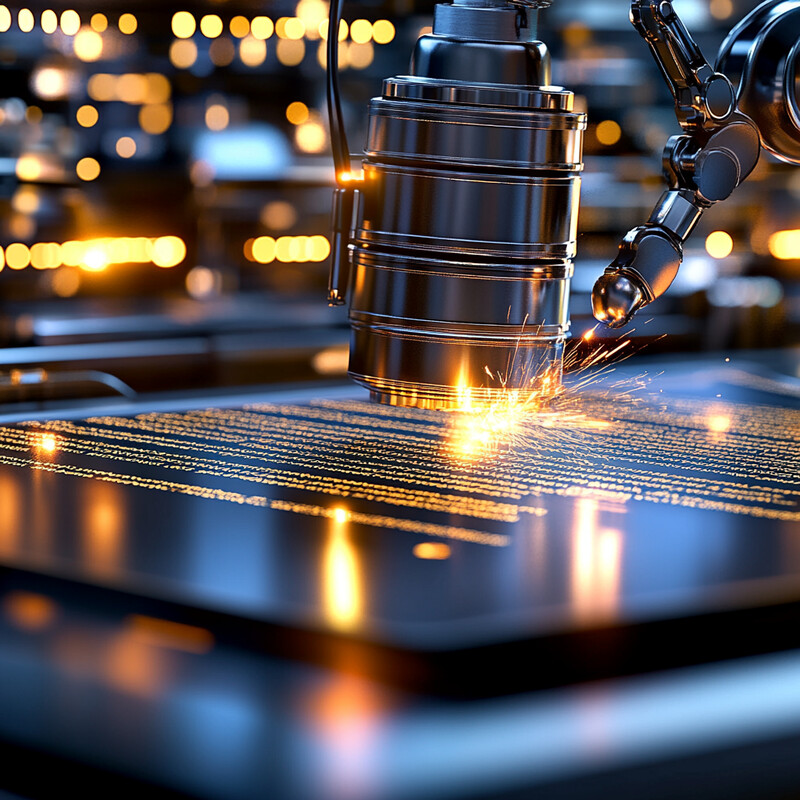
(165, 182)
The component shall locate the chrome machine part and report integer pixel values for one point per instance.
(718, 149)
(467, 222)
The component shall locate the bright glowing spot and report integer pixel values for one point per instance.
(608, 133)
(159, 89)
(332, 361)
(46, 255)
(311, 137)
(383, 31)
(18, 256)
(126, 147)
(168, 251)
(183, 53)
(252, 51)
(719, 423)
(341, 585)
(26, 200)
(127, 24)
(183, 24)
(264, 250)
(5, 19)
(719, 244)
(239, 27)
(721, 9)
(323, 30)
(217, 117)
(70, 22)
(25, 20)
(88, 169)
(155, 119)
(785, 245)
(589, 335)
(203, 282)
(174, 635)
(361, 31)
(211, 26)
(262, 27)
(88, 45)
(95, 259)
(87, 116)
(99, 22)
(341, 515)
(297, 112)
(50, 83)
(432, 551)
(290, 28)
(312, 12)
(29, 168)
(49, 21)
(132, 88)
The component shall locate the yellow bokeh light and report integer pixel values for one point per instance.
(155, 119)
(99, 22)
(26, 200)
(95, 259)
(211, 26)
(88, 45)
(383, 31)
(132, 88)
(50, 83)
(432, 551)
(290, 28)
(70, 22)
(87, 116)
(264, 249)
(159, 89)
(311, 137)
(262, 27)
(128, 24)
(252, 51)
(217, 117)
(344, 54)
(183, 53)
(183, 24)
(29, 168)
(5, 19)
(18, 256)
(87, 169)
(290, 52)
(361, 31)
(239, 27)
(785, 245)
(297, 113)
(102, 87)
(608, 133)
(125, 147)
(343, 30)
(49, 21)
(66, 282)
(719, 423)
(719, 244)
(168, 251)
(33, 115)
(46, 255)
(25, 20)
(312, 12)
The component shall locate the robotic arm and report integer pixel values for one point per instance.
(718, 149)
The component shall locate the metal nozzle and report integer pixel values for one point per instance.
(616, 298)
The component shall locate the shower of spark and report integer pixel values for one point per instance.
(548, 415)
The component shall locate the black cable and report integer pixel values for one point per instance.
(339, 146)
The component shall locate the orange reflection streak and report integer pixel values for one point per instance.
(135, 667)
(30, 612)
(432, 551)
(596, 565)
(10, 514)
(174, 635)
(341, 583)
(104, 527)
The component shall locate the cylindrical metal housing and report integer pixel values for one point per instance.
(467, 227)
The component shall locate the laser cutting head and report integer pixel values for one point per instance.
(460, 257)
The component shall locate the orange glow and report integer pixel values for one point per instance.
(252, 51)
(383, 31)
(99, 22)
(30, 612)
(608, 133)
(341, 583)
(211, 26)
(239, 27)
(183, 25)
(88, 45)
(168, 251)
(719, 244)
(173, 635)
(297, 112)
(29, 168)
(183, 53)
(134, 667)
(785, 245)
(719, 423)
(87, 116)
(432, 551)
(88, 169)
(128, 24)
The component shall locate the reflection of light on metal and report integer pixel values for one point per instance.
(719, 423)
(104, 528)
(341, 579)
(30, 612)
(432, 551)
(332, 361)
(173, 635)
(596, 564)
